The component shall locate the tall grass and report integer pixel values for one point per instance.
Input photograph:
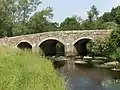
(24, 70)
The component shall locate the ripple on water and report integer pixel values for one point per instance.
(85, 78)
(84, 83)
(111, 84)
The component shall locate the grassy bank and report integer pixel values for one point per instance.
(24, 70)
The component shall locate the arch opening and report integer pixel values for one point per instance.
(24, 45)
(81, 47)
(52, 47)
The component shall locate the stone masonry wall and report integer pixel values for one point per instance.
(68, 38)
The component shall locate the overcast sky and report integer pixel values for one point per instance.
(65, 8)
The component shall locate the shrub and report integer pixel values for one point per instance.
(99, 48)
(116, 55)
(115, 38)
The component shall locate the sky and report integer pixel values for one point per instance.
(66, 8)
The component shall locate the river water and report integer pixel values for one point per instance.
(82, 77)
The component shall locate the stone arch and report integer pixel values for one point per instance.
(83, 38)
(80, 45)
(52, 47)
(24, 45)
(52, 38)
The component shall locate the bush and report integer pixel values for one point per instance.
(116, 55)
(115, 38)
(99, 48)
(110, 25)
(23, 70)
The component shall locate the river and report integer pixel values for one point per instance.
(82, 77)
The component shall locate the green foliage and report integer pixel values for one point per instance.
(110, 25)
(108, 20)
(90, 16)
(20, 29)
(24, 70)
(99, 48)
(107, 17)
(5, 19)
(16, 19)
(98, 24)
(116, 54)
(93, 22)
(113, 16)
(70, 23)
(86, 25)
(115, 43)
(40, 23)
(115, 38)
(14, 14)
(115, 12)
(22, 9)
(93, 14)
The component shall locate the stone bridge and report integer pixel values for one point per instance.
(69, 43)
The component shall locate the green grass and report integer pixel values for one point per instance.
(24, 70)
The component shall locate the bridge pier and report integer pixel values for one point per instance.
(35, 48)
(70, 50)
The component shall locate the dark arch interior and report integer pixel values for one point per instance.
(52, 48)
(24, 45)
(81, 47)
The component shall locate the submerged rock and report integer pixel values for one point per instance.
(112, 63)
(116, 69)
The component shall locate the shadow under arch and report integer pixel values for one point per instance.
(81, 46)
(52, 47)
(24, 45)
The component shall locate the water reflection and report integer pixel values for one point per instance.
(80, 77)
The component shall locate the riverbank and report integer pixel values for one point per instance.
(100, 63)
(24, 70)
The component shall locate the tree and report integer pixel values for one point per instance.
(107, 17)
(115, 12)
(93, 14)
(70, 23)
(110, 25)
(113, 16)
(21, 12)
(87, 25)
(90, 16)
(115, 38)
(40, 21)
(5, 18)
(20, 29)
(93, 22)
(53, 26)
(22, 9)
(15, 18)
